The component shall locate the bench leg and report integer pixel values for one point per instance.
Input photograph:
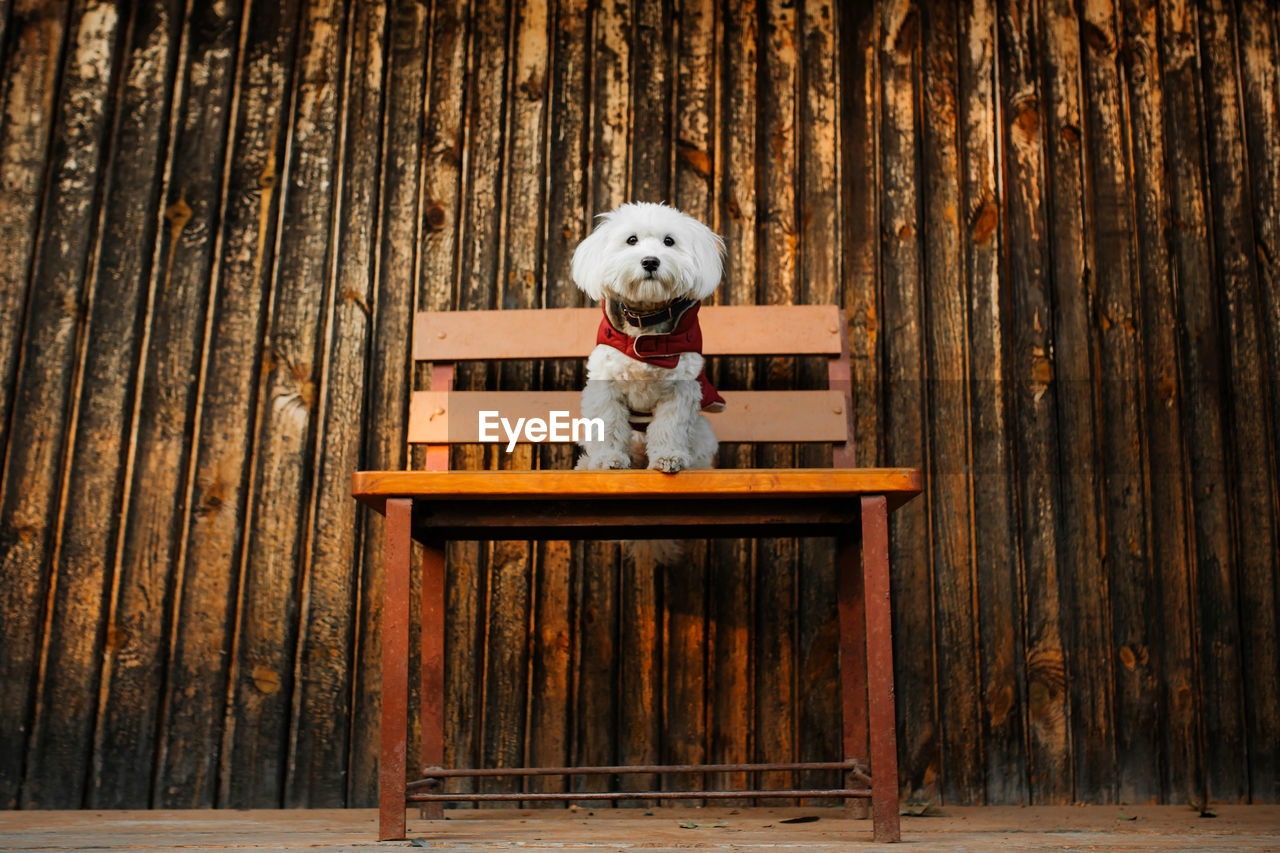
(432, 670)
(395, 671)
(884, 741)
(853, 666)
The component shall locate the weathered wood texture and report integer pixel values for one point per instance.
(1055, 227)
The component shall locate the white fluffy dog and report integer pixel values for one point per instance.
(649, 265)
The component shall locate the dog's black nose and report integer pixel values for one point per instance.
(650, 263)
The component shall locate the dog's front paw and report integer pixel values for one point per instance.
(669, 464)
(605, 460)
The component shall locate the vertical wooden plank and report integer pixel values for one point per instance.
(817, 180)
(596, 586)
(777, 267)
(1030, 373)
(859, 52)
(273, 572)
(442, 159)
(520, 287)
(778, 175)
(551, 687)
(36, 33)
(481, 258)
(419, 641)
(1124, 644)
(44, 404)
(640, 670)
(479, 287)
(682, 715)
(389, 374)
(1127, 549)
(1081, 383)
(640, 609)
(905, 417)
(651, 108)
(732, 572)
(1172, 665)
(44, 395)
(1251, 437)
(696, 124)
(227, 144)
(442, 213)
(998, 610)
(610, 100)
(1217, 628)
(437, 268)
(818, 268)
(597, 712)
(1259, 52)
(553, 665)
(684, 587)
(61, 739)
(506, 660)
(946, 338)
(1118, 552)
(32, 58)
(859, 40)
(317, 775)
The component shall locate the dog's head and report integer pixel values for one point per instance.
(648, 254)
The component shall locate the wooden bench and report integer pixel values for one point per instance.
(437, 505)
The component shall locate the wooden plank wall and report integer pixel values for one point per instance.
(1055, 226)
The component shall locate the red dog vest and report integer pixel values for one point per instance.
(664, 350)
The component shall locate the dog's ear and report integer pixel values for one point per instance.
(707, 251)
(589, 259)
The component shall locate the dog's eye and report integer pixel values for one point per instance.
(631, 241)
(667, 241)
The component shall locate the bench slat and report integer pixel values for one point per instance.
(899, 484)
(452, 417)
(571, 332)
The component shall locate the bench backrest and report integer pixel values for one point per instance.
(442, 416)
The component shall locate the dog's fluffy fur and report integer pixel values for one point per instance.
(616, 264)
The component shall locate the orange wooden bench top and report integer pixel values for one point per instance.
(898, 484)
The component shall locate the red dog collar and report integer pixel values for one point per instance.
(664, 350)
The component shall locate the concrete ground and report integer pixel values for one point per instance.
(981, 830)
